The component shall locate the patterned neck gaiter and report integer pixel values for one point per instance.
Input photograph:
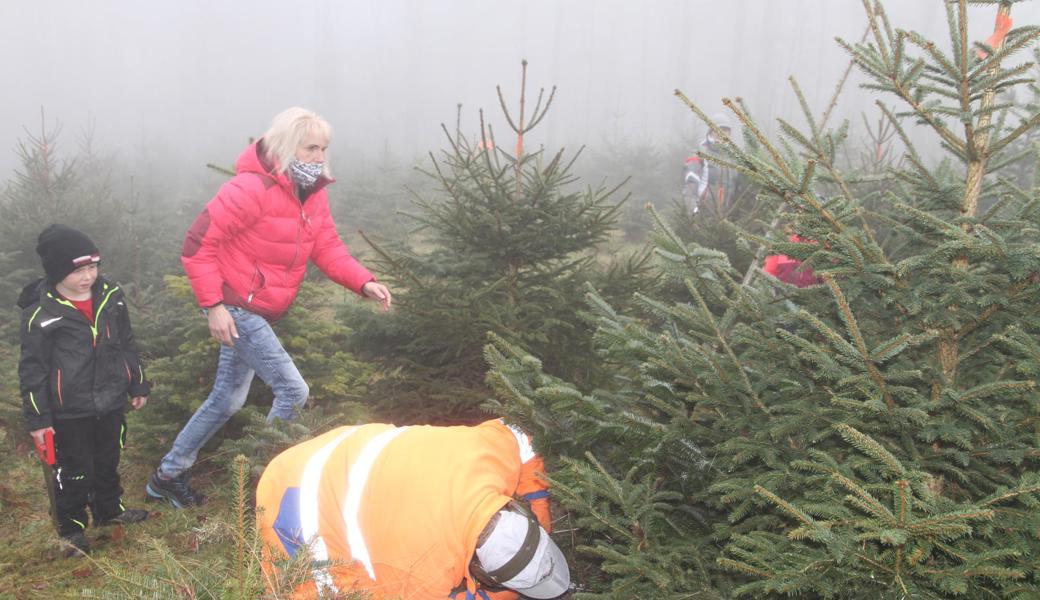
(305, 174)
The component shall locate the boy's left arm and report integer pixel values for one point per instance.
(139, 386)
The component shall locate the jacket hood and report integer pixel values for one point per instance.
(251, 161)
(30, 293)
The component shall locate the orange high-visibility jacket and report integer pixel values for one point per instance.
(393, 510)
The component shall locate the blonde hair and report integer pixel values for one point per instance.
(286, 133)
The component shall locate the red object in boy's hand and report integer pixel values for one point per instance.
(46, 450)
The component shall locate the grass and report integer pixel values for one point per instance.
(32, 564)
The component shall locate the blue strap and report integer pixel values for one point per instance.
(536, 495)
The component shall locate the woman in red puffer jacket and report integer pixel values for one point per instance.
(246, 255)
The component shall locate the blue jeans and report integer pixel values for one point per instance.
(256, 351)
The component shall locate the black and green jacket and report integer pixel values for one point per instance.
(70, 367)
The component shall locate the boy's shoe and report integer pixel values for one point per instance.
(129, 515)
(175, 490)
(76, 544)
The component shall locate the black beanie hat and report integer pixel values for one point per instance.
(63, 250)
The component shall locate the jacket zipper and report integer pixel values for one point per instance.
(97, 313)
(304, 221)
(259, 278)
(61, 402)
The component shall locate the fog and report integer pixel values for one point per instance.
(180, 84)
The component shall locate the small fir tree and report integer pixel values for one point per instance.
(509, 243)
(42, 188)
(86, 191)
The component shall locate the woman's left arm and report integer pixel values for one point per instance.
(330, 254)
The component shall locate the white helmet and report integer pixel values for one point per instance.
(518, 554)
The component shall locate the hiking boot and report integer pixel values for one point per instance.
(129, 515)
(76, 544)
(175, 490)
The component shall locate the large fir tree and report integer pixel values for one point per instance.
(870, 437)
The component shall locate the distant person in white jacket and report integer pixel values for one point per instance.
(702, 180)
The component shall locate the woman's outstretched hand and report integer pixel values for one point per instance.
(378, 292)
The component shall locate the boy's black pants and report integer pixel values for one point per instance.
(87, 451)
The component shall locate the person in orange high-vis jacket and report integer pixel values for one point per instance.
(416, 513)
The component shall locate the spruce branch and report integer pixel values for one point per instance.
(820, 154)
(787, 507)
(994, 388)
(874, 13)
(853, 328)
(864, 500)
(750, 125)
(1026, 125)
(840, 86)
(743, 567)
(807, 176)
(1024, 489)
(721, 339)
(890, 74)
(1013, 292)
(869, 446)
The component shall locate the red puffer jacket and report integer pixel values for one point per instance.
(249, 247)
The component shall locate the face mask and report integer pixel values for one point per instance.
(305, 174)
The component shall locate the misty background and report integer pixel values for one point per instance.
(176, 85)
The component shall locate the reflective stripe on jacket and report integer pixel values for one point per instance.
(395, 511)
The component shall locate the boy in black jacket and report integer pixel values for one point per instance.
(78, 367)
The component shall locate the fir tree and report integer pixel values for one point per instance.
(84, 192)
(44, 187)
(509, 242)
(870, 437)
